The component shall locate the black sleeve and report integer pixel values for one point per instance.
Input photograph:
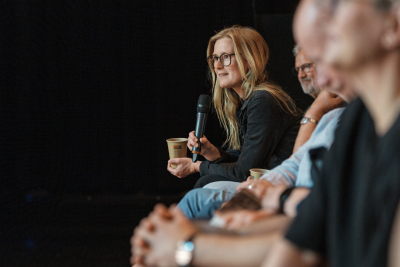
(227, 156)
(265, 127)
(308, 230)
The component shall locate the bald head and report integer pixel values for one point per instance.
(309, 26)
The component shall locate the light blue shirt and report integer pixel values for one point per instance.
(296, 170)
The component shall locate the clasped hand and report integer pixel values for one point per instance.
(258, 186)
(155, 239)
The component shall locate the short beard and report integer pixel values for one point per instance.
(311, 89)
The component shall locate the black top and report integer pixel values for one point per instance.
(348, 215)
(267, 136)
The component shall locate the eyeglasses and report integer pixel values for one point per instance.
(225, 60)
(305, 68)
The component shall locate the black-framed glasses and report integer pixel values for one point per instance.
(225, 60)
(307, 67)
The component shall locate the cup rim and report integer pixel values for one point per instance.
(258, 170)
(177, 140)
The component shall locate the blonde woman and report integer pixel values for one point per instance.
(260, 119)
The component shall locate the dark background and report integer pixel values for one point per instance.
(90, 91)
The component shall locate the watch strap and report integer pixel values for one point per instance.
(306, 119)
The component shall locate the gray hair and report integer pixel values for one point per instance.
(296, 50)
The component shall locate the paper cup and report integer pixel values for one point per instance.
(257, 173)
(177, 148)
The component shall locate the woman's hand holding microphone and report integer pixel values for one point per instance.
(208, 150)
(185, 166)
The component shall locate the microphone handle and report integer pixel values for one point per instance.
(199, 132)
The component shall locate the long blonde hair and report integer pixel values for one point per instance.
(249, 47)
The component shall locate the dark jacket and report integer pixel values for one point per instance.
(267, 137)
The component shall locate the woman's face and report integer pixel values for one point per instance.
(228, 76)
(354, 34)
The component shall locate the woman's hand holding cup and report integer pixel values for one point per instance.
(184, 167)
(208, 150)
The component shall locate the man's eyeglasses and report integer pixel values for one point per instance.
(225, 60)
(305, 68)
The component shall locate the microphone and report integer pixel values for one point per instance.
(203, 106)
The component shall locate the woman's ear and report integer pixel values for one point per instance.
(391, 37)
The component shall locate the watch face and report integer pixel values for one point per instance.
(183, 258)
(304, 120)
(184, 253)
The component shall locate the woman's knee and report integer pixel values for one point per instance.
(209, 179)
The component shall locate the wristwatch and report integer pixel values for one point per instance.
(184, 252)
(305, 120)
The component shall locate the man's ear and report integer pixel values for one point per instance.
(391, 37)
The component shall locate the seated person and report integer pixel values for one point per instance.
(260, 119)
(295, 171)
(305, 71)
(348, 218)
(154, 241)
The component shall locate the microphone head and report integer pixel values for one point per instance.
(203, 104)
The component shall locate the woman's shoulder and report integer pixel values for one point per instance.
(261, 95)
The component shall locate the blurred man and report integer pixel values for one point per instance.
(347, 218)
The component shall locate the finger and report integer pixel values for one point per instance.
(259, 190)
(158, 220)
(138, 263)
(141, 224)
(151, 260)
(132, 260)
(228, 220)
(175, 161)
(226, 217)
(144, 234)
(234, 224)
(192, 142)
(203, 139)
(138, 242)
(192, 134)
(163, 211)
(244, 184)
(148, 226)
(141, 248)
(172, 170)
